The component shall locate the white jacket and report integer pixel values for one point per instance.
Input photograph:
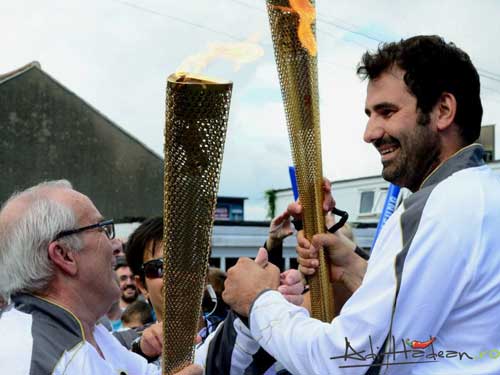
(434, 272)
(42, 338)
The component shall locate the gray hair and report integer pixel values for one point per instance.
(24, 262)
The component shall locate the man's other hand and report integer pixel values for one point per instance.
(292, 286)
(295, 209)
(345, 265)
(247, 279)
(152, 340)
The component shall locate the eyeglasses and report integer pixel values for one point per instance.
(106, 226)
(153, 269)
(126, 277)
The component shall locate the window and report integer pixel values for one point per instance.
(294, 264)
(487, 139)
(222, 213)
(488, 155)
(214, 262)
(280, 264)
(230, 262)
(366, 203)
(236, 214)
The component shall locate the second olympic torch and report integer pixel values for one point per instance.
(293, 31)
(195, 132)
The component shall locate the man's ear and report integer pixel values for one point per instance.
(141, 286)
(446, 110)
(63, 257)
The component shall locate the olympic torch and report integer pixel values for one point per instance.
(293, 32)
(197, 110)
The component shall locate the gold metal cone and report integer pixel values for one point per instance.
(196, 121)
(297, 70)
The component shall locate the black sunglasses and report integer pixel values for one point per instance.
(107, 226)
(153, 269)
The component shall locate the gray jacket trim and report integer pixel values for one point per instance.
(468, 157)
(54, 330)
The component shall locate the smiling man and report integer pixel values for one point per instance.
(433, 272)
(56, 270)
(409, 146)
(126, 281)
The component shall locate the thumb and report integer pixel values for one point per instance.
(322, 240)
(293, 277)
(261, 258)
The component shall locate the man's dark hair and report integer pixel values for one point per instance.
(138, 309)
(149, 230)
(431, 68)
(121, 261)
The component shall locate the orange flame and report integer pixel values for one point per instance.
(238, 53)
(307, 16)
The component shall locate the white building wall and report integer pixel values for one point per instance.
(347, 194)
(229, 242)
(244, 241)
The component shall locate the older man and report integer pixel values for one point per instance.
(56, 268)
(428, 300)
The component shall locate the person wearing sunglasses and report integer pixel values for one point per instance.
(229, 349)
(57, 277)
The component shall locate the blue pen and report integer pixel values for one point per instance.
(293, 180)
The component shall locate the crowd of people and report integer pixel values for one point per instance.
(76, 300)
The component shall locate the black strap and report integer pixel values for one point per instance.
(297, 223)
(343, 219)
(362, 253)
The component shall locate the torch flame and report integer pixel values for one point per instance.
(192, 78)
(307, 16)
(238, 53)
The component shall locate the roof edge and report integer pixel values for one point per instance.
(36, 64)
(17, 72)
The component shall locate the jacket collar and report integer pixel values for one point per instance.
(467, 157)
(31, 304)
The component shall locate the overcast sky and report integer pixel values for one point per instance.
(117, 54)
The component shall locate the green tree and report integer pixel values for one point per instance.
(271, 203)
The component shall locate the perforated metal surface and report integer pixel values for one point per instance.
(196, 122)
(297, 69)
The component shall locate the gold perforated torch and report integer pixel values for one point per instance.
(293, 32)
(195, 131)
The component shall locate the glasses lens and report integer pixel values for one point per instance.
(125, 277)
(153, 269)
(109, 229)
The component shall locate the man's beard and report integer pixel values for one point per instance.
(130, 299)
(419, 151)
